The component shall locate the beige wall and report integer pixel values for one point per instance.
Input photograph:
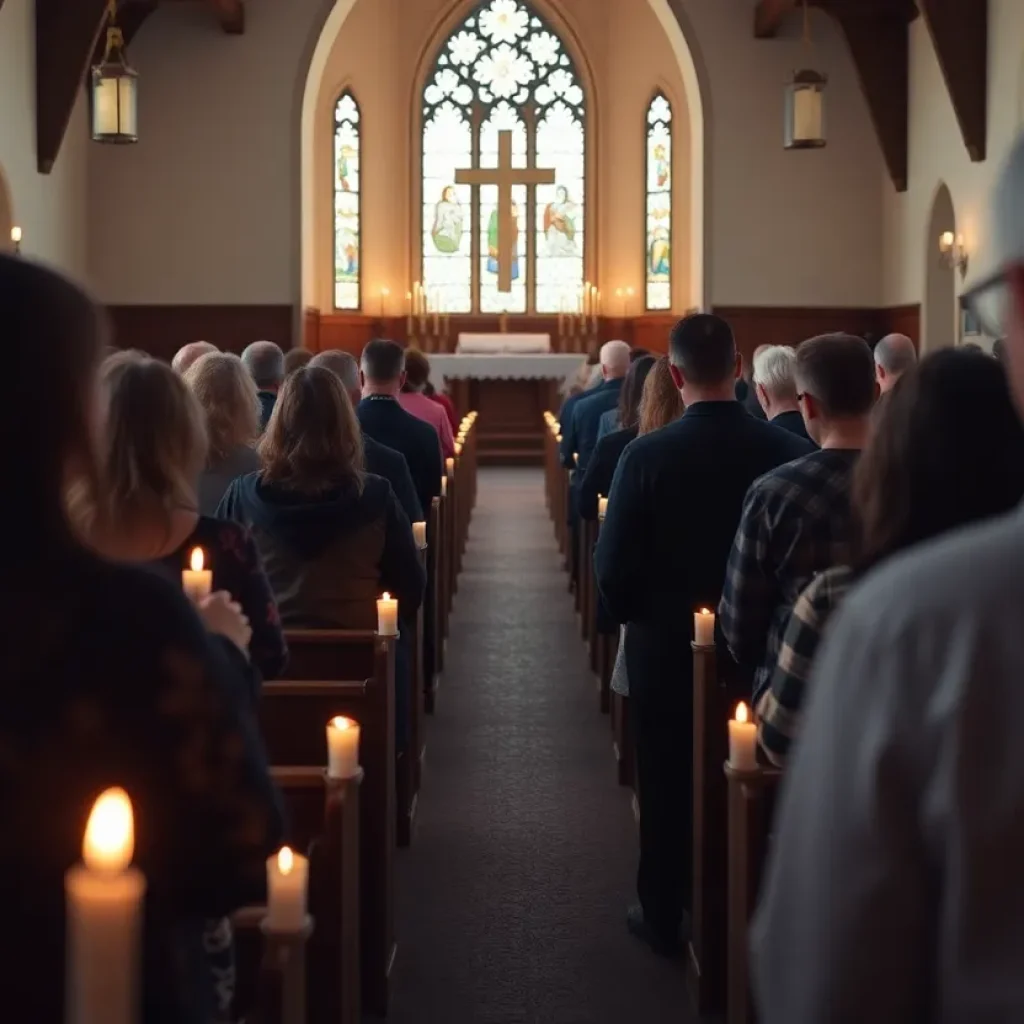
(50, 209)
(938, 154)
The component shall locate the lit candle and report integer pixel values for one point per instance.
(287, 879)
(449, 466)
(419, 534)
(408, 313)
(197, 581)
(458, 445)
(16, 238)
(384, 293)
(704, 628)
(104, 897)
(444, 487)
(742, 741)
(558, 438)
(602, 506)
(576, 458)
(342, 748)
(387, 615)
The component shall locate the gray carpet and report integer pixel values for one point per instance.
(511, 903)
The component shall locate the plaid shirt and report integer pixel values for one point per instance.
(780, 708)
(795, 523)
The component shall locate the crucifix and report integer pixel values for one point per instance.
(505, 176)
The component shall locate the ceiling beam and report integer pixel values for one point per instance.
(959, 31)
(66, 34)
(230, 14)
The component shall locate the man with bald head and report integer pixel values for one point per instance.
(265, 362)
(579, 437)
(894, 355)
(189, 354)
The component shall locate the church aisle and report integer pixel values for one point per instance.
(511, 903)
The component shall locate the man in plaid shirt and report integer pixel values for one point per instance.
(796, 519)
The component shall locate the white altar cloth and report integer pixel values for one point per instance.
(502, 367)
(492, 344)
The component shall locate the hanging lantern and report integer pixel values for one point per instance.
(114, 90)
(805, 110)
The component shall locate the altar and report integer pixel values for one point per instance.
(511, 380)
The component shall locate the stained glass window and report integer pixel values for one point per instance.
(659, 204)
(347, 206)
(503, 69)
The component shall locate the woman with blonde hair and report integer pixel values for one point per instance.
(661, 403)
(228, 396)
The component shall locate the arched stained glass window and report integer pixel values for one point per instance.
(503, 69)
(347, 203)
(659, 203)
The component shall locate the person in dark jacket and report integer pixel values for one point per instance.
(383, 418)
(745, 392)
(776, 390)
(579, 437)
(380, 460)
(265, 362)
(673, 510)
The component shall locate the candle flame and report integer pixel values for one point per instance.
(742, 715)
(385, 596)
(197, 560)
(342, 723)
(705, 611)
(110, 834)
(16, 234)
(285, 860)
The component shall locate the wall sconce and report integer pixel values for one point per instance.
(953, 252)
(16, 239)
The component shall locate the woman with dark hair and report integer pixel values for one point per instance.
(112, 678)
(414, 400)
(947, 450)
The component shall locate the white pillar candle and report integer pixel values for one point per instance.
(704, 628)
(104, 900)
(342, 748)
(742, 741)
(197, 582)
(387, 615)
(458, 445)
(419, 534)
(449, 466)
(576, 458)
(602, 506)
(444, 487)
(287, 881)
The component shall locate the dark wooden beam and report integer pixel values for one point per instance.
(230, 14)
(66, 34)
(959, 31)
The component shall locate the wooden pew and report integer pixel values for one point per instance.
(752, 798)
(435, 659)
(348, 673)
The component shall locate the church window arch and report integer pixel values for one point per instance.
(348, 210)
(503, 69)
(658, 207)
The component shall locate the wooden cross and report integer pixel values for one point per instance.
(505, 176)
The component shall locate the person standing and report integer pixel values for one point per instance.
(265, 362)
(775, 388)
(894, 355)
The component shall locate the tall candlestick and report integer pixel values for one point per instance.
(197, 582)
(742, 741)
(384, 293)
(342, 748)
(103, 897)
(704, 628)
(419, 534)
(287, 880)
(408, 314)
(387, 615)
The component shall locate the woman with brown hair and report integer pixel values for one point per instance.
(111, 678)
(947, 450)
(228, 395)
(661, 403)
(414, 400)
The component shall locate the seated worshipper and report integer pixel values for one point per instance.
(228, 396)
(446, 403)
(378, 460)
(265, 362)
(922, 473)
(598, 478)
(611, 421)
(796, 519)
(746, 393)
(672, 514)
(295, 359)
(577, 385)
(155, 447)
(414, 401)
(586, 416)
(894, 355)
(775, 388)
(383, 418)
(112, 679)
(187, 355)
(893, 887)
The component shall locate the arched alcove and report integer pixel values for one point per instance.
(941, 318)
(6, 213)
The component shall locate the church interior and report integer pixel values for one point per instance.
(511, 188)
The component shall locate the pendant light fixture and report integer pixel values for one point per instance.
(114, 89)
(805, 102)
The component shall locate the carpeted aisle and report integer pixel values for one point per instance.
(511, 903)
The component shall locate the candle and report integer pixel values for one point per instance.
(342, 748)
(602, 506)
(197, 582)
(408, 313)
(576, 458)
(704, 628)
(449, 466)
(458, 445)
(444, 487)
(104, 897)
(384, 293)
(387, 615)
(742, 741)
(16, 239)
(558, 438)
(419, 534)
(287, 878)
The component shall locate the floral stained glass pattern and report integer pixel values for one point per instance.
(347, 204)
(659, 204)
(503, 68)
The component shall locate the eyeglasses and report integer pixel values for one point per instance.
(989, 303)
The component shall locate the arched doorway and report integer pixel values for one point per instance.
(6, 214)
(941, 318)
